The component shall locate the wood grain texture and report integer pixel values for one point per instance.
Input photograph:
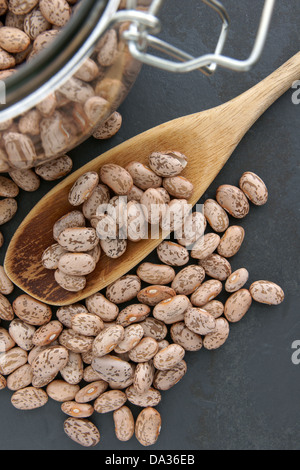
(207, 138)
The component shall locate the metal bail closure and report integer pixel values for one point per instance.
(140, 39)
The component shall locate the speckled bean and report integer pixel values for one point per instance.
(108, 46)
(78, 239)
(26, 179)
(186, 338)
(69, 220)
(13, 40)
(121, 385)
(2, 382)
(193, 229)
(91, 391)
(20, 149)
(83, 188)
(75, 342)
(132, 336)
(148, 426)
(35, 23)
(76, 264)
(100, 195)
(152, 295)
(254, 188)
(110, 401)
(22, 7)
(172, 310)
(20, 378)
(48, 333)
(153, 206)
(49, 361)
(55, 169)
(77, 410)
(87, 72)
(52, 255)
(113, 247)
(61, 391)
(266, 292)
(110, 127)
(199, 321)
(124, 289)
(150, 398)
(101, 306)
(137, 227)
(143, 376)
(168, 357)
(233, 200)
(156, 274)
(143, 177)
(216, 215)
(135, 194)
(6, 310)
(68, 282)
(29, 123)
(215, 308)
(6, 341)
(162, 344)
(12, 360)
(237, 305)
(188, 279)
(216, 266)
(89, 374)
(205, 246)
(29, 398)
(164, 194)
(82, 431)
(7, 61)
(178, 187)
(7, 187)
(169, 163)
(87, 324)
(107, 340)
(172, 254)
(72, 373)
(8, 208)
(116, 178)
(65, 314)
(133, 313)
(144, 350)
(35, 351)
(154, 328)
(22, 334)
(217, 338)
(231, 241)
(237, 280)
(206, 292)
(112, 369)
(78, 91)
(166, 379)
(6, 286)
(124, 423)
(32, 311)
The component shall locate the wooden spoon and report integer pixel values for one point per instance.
(207, 138)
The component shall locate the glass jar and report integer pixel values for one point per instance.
(77, 75)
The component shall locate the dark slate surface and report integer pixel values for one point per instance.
(245, 395)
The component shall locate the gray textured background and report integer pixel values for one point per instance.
(245, 395)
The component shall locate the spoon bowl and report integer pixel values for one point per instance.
(207, 138)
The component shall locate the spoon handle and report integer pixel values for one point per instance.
(249, 106)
